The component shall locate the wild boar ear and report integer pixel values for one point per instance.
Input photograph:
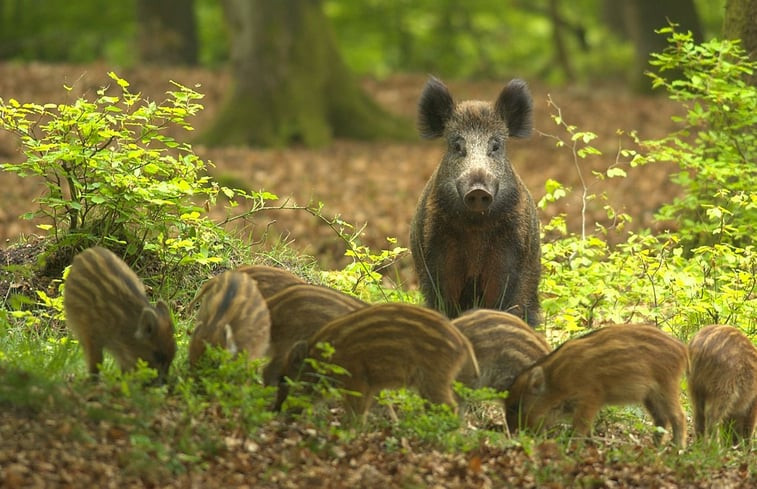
(514, 106)
(434, 109)
(536, 383)
(231, 345)
(148, 324)
(163, 310)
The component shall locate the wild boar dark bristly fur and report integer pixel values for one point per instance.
(621, 364)
(297, 313)
(106, 308)
(233, 315)
(270, 279)
(386, 346)
(504, 346)
(723, 381)
(475, 233)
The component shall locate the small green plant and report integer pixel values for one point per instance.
(580, 150)
(362, 276)
(716, 147)
(229, 385)
(321, 384)
(23, 389)
(433, 424)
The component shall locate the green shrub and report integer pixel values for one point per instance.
(679, 281)
(716, 147)
(114, 177)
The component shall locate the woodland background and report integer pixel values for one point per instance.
(314, 101)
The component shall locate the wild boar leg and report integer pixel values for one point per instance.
(700, 424)
(749, 421)
(743, 424)
(679, 427)
(665, 411)
(93, 350)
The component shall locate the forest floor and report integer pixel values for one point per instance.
(376, 184)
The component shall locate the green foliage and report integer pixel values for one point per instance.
(669, 280)
(488, 38)
(362, 277)
(114, 177)
(212, 35)
(417, 418)
(30, 341)
(56, 30)
(20, 389)
(36, 314)
(646, 279)
(322, 383)
(230, 385)
(485, 39)
(716, 147)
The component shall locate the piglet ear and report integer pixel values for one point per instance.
(148, 323)
(434, 109)
(536, 382)
(163, 311)
(514, 106)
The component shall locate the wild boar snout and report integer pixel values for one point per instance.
(477, 188)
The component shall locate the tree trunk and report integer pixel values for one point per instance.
(12, 27)
(740, 22)
(167, 32)
(642, 17)
(562, 58)
(289, 82)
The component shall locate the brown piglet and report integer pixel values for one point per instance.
(385, 346)
(233, 315)
(621, 364)
(504, 345)
(723, 381)
(297, 313)
(107, 309)
(271, 280)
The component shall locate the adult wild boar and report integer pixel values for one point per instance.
(475, 233)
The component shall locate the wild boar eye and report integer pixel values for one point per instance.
(458, 146)
(494, 146)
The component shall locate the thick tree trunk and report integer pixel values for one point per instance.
(290, 84)
(167, 32)
(642, 17)
(740, 22)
